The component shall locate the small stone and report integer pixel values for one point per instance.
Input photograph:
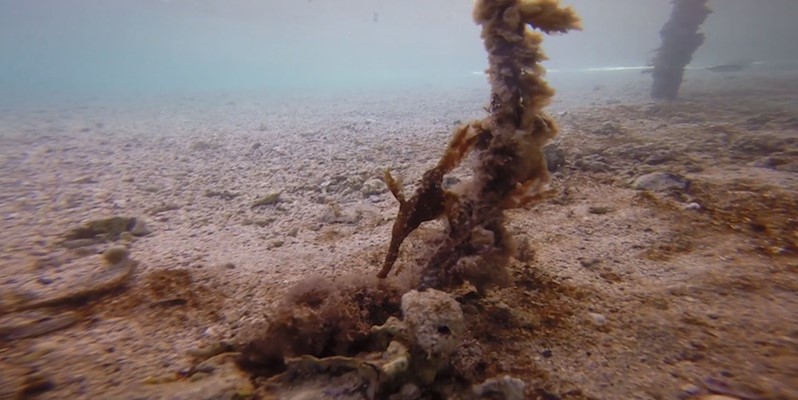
(506, 387)
(594, 166)
(372, 187)
(202, 146)
(262, 222)
(156, 380)
(555, 157)
(410, 391)
(692, 206)
(44, 280)
(690, 389)
(767, 162)
(38, 351)
(139, 228)
(600, 210)
(267, 200)
(659, 157)
(449, 181)
(589, 262)
(78, 243)
(116, 254)
(36, 382)
(651, 109)
(608, 128)
(758, 119)
(84, 180)
(210, 332)
(597, 319)
(525, 252)
(197, 376)
(661, 182)
(788, 167)
(222, 194)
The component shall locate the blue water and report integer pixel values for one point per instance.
(98, 47)
(53, 49)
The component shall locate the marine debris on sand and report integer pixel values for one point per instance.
(320, 345)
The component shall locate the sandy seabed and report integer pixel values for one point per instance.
(618, 293)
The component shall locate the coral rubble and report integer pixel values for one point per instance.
(511, 169)
(680, 39)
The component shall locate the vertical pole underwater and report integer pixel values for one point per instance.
(680, 38)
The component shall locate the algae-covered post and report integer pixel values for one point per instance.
(510, 171)
(680, 39)
(344, 339)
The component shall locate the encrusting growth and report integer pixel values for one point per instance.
(511, 170)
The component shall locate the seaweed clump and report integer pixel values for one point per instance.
(320, 318)
(510, 171)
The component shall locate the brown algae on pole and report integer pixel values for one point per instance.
(510, 171)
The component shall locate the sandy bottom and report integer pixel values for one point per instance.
(623, 293)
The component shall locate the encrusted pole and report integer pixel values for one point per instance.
(511, 170)
(680, 39)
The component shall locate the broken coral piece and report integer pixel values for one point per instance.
(336, 377)
(506, 387)
(422, 345)
(436, 325)
(103, 275)
(433, 327)
(106, 229)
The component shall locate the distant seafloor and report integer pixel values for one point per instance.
(468, 93)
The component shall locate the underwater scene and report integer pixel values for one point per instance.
(399, 199)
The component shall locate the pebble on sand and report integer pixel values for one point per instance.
(661, 182)
(597, 319)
